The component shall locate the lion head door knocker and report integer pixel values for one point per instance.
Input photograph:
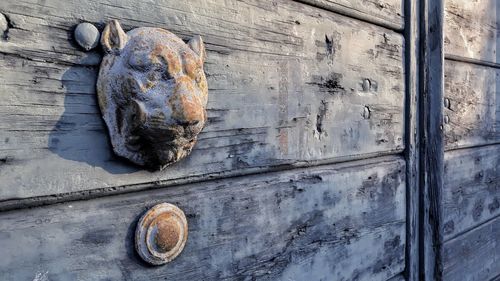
(152, 92)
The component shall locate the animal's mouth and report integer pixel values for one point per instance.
(158, 155)
(159, 140)
(163, 146)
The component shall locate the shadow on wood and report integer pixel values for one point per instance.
(80, 135)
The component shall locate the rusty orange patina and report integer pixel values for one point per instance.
(152, 92)
(168, 234)
(161, 234)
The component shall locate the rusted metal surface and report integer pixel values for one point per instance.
(152, 92)
(161, 234)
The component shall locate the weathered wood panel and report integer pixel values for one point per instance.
(400, 277)
(431, 162)
(386, 13)
(472, 105)
(413, 131)
(471, 192)
(471, 29)
(289, 84)
(340, 222)
(475, 255)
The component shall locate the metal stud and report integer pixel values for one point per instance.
(447, 103)
(161, 234)
(446, 119)
(87, 36)
(366, 112)
(366, 85)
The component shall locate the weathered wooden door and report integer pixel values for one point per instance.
(322, 158)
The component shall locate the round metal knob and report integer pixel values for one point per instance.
(87, 36)
(161, 234)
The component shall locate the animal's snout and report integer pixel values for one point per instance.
(187, 108)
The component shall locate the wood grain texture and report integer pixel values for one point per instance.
(344, 221)
(431, 137)
(400, 277)
(387, 13)
(475, 255)
(412, 139)
(471, 29)
(471, 192)
(472, 108)
(289, 84)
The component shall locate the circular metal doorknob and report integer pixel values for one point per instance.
(161, 234)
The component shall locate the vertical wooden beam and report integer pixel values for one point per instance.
(431, 138)
(412, 143)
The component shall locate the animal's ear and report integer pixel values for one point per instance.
(113, 38)
(197, 45)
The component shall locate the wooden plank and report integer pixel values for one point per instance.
(387, 13)
(412, 139)
(344, 221)
(431, 137)
(471, 29)
(472, 109)
(471, 193)
(475, 255)
(400, 277)
(289, 84)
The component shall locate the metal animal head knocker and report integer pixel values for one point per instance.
(152, 92)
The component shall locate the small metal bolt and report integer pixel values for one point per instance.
(366, 112)
(446, 119)
(366, 85)
(161, 234)
(447, 103)
(87, 36)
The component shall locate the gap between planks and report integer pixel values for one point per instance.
(496, 278)
(24, 203)
(469, 229)
(451, 150)
(471, 61)
(349, 12)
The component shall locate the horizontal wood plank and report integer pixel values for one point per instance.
(471, 192)
(388, 13)
(475, 255)
(344, 221)
(472, 107)
(471, 29)
(288, 84)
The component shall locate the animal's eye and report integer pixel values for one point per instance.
(166, 75)
(139, 61)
